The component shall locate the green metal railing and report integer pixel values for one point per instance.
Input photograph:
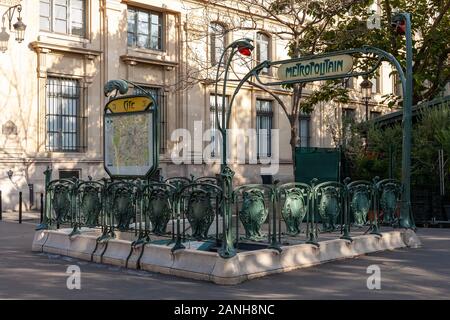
(182, 210)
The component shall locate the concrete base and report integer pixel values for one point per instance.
(40, 237)
(209, 266)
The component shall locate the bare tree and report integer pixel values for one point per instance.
(300, 24)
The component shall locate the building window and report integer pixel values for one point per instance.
(396, 85)
(263, 49)
(348, 115)
(65, 125)
(348, 119)
(304, 131)
(349, 83)
(69, 174)
(218, 41)
(374, 114)
(215, 134)
(161, 100)
(376, 86)
(63, 16)
(145, 29)
(264, 122)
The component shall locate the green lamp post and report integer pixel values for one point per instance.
(402, 24)
(244, 47)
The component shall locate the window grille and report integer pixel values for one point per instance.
(65, 123)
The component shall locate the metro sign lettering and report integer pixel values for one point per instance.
(315, 68)
(130, 104)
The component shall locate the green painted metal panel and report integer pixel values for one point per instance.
(320, 163)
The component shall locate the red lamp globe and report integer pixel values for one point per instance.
(401, 27)
(245, 51)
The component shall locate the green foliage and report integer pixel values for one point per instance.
(340, 30)
(431, 133)
(331, 90)
(374, 157)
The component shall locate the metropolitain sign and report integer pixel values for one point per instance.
(130, 104)
(315, 68)
(10, 3)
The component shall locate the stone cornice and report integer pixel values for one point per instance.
(134, 60)
(40, 46)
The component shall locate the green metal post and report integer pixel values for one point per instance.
(75, 210)
(45, 222)
(275, 200)
(179, 243)
(376, 209)
(312, 235)
(346, 235)
(406, 220)
(227, 249)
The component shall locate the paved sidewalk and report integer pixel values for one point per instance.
(406, 274)
(29, 216)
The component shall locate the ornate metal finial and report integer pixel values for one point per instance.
(119, 86)
(314, 181)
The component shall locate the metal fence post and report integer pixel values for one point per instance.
(42, 208)
(20, 207)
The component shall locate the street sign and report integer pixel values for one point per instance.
(314, 68)
(130, 104)
(131, 137)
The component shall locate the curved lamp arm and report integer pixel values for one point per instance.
(244, 42)
(254, 72)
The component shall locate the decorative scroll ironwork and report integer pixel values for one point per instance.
(329, 197)
(60, 197)
(157, 207)
(121, 198)
(360, 198)
(178, 182)
(253, 212)
(295, 207)
(120, 86)
(90, 195)
(389, 192)
(199, 203)
(200, 213)
(145, 208)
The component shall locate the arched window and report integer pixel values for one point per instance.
(263, 49)
(218, 41)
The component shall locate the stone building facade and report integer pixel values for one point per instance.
(51, 88)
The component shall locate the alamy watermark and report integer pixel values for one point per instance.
(374, 280)
(74, 280)
(249, 146)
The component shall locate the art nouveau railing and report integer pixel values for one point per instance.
(181, 210)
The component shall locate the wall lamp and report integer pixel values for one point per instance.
(19, 27)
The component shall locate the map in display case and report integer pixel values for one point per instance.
(129, 139)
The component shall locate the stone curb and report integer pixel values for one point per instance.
(209, 266)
